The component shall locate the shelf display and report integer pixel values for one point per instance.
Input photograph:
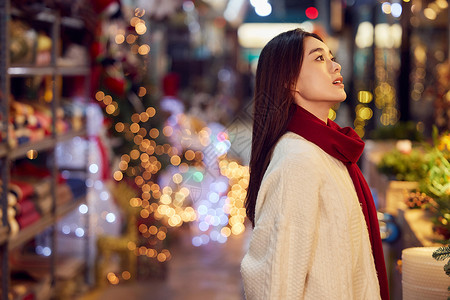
(45, 82)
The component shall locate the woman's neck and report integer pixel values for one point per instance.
(320, 110)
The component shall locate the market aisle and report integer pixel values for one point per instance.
(207, 272)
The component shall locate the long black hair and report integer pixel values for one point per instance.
(278, 69)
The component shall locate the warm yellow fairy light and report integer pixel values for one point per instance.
(110, 109)
(120, 38)
(126, 275)
(119, 127)
(442, 4)
(198, 155)
(225, 231)
(189, 155)
(159, 150)
(139, 12)
(185, 191)
(138, 139)
(134, 21)
(175, 221)
(107, 100)
(99, 95)
(150, 150)
(145, 213)
(150, 111)
(144, 49)
(147, 175)
(386, 8)
(167, 190)
(118, 176)
(111, 276)
(142, 228)
(32, 154)
(154, 133)
(365, 113)
(140, 28)
(134, 127)
(430, 13)
(238, 178)
(161, 235)
(131, 246)
(331, 114)
(165, 199)
(365, 96)
(175, 160)
(131, 38)
(139, 180)
(145, 157)
(145, 197)
(134, 154)
(177, 178)
(145, 202)
(135, 118)
(142, 91)
(144, 117)
(161, 257)
(153, 230)
(167, 130)
(237, 228)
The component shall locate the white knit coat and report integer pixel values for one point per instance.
(310, 239)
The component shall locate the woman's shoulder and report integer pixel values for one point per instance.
(294, 144)
(292, 150)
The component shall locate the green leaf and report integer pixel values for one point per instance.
(442, 253)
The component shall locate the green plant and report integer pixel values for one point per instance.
(437, 185)
(403, 166)
(443, 253)
(400, 131)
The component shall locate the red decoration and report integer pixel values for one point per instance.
(97, 50)
(170, 84)
(312, 13)
(105, 5)
(115, 85)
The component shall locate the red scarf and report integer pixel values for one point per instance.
(345, 144)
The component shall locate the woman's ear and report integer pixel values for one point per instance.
(292, 87)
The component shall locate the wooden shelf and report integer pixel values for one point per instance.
(4, 232)
(49, 17)
(29, 232)
(42, 145)
(3, 150)
(56, 26)
(21, 150)
(30, 70)
(73, 71)
(70, 135)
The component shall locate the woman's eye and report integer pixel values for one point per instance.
(334, 59)
(320, 58)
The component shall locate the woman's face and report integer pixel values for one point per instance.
(319, 82)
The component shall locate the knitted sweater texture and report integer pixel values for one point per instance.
(310, 239)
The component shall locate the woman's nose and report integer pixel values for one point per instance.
(336, 67)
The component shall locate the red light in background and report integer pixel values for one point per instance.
(312, 13)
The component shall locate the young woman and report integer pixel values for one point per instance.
(316, 233)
